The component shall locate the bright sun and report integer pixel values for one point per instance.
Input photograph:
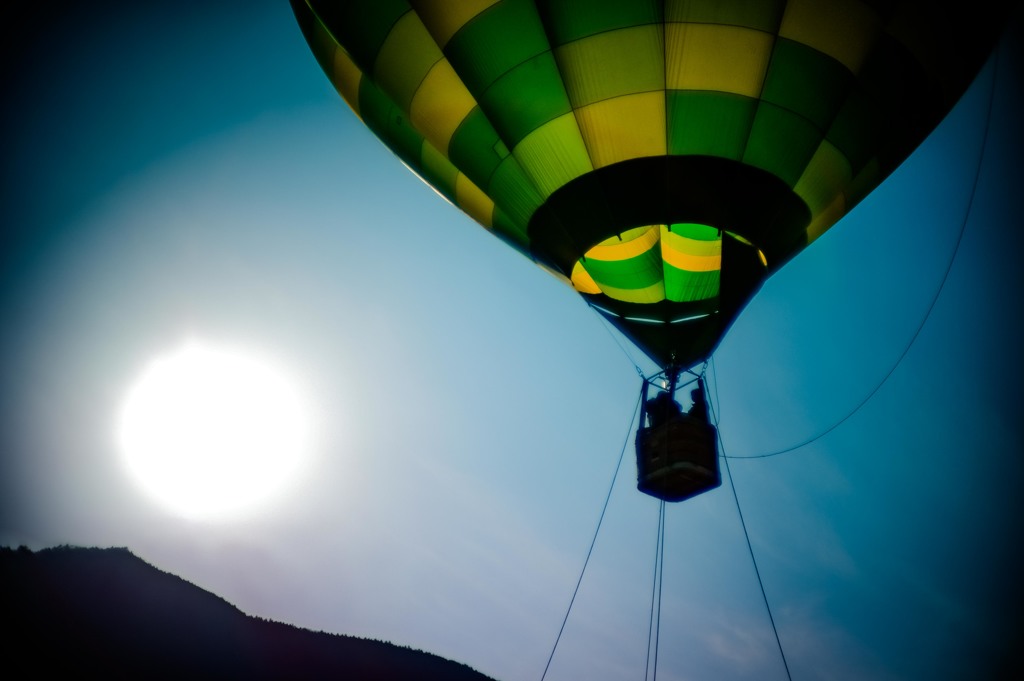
(211, 431)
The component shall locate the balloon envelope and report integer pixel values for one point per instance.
(662, 157)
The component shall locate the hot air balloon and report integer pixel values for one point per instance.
(663, 158)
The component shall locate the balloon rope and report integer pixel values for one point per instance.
(659, 560)
(608, 328)
(935, 298)
(714, 376)
(661, 582)
(750, 549)
(593, 541)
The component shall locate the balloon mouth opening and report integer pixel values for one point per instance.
(689, 318)
(678, 263)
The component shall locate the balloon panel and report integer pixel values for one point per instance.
(663, 157)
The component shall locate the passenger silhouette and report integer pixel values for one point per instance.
(700, 406)
(662, 408)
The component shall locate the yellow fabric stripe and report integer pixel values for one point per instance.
(582, 281)
(346, 77)
(825, 219)
(685, 244)
(553, 154)
(843, 29)
(438, 168)
(626, 127)
(634, 242)
(444, 18)
(440, 105)
(472, 200)
(691, 263)
(826, 175)
(404, 59)
(713, 57)
(741, 239)
(344, 74)
(655, 293)
(612, 64)
(692, 255)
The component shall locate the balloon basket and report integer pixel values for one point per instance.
(678, 459)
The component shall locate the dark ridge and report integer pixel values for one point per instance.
(105, 613)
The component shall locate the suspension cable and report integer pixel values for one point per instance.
(714, 370)
(607, 327)
(653, 631)
(593, 541)
(935, 298)
(690, 370)
(661, 582)
(750, 547)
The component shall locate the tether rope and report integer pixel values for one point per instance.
(935, 298)
(714, 371)
(608, 327)
(654, 625)
(750, 548)
(593, 541)
(661, 583)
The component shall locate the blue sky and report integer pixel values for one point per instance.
(180, 171)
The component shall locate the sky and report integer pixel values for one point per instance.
(180, 170)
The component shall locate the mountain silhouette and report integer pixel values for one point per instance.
(105, 613)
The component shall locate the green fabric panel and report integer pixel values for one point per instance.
(507, 229)
(321, 42)
(826, 177)
(389, 123)
(806, 81)
(781, 142)
(863, 183)
(476, 149)
(437, 170)
(404, 61)
(855, 129)
(613, 63)
(554, 154)
(697, 232)
(525, 98)
(511, 189)
(709, 123)
(764, 15)
(494, 42)
(633, 273)
(684, 287)
(361, 26)
(568, 20)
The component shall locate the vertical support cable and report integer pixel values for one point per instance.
(757, 572)
(593, 541)
(652, 630)
(661, 581)
(750, 548)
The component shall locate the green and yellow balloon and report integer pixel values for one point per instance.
(663, 157)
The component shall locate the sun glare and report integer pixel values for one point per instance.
(211, 431)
